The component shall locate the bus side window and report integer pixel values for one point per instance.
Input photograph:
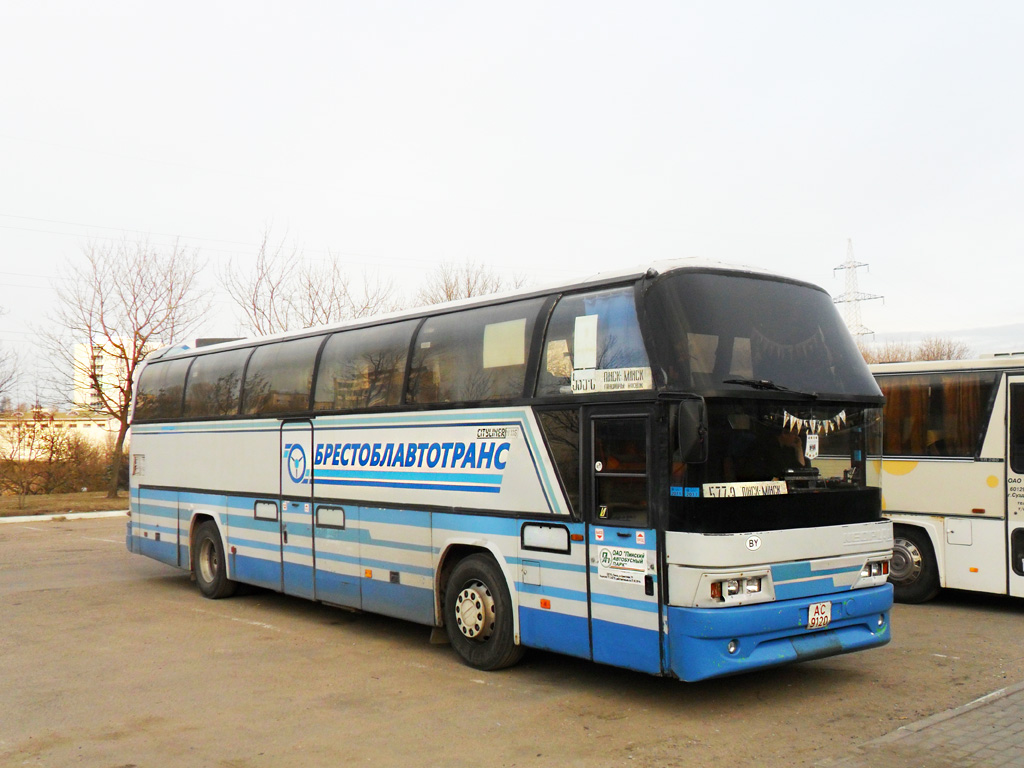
(562, 434)
(160, 390)
(215, 384)
(588, 332)
(279, 376)
(473, 355)
(363, 368)
(1017, 428)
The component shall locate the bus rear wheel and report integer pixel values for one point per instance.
(478, 615)
(913, 571)
(209, 564)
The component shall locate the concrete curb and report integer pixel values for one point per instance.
(65, 516)
(941, 717)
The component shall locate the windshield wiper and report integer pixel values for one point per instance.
(768, 384)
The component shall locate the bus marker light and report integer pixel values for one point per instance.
(973, 570)
(576, 537)
(977, 511)
(234, 550)
(545, 603)
(875, 568)
(368, 573)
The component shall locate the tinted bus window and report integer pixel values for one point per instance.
(215, 384)
(160, 389)
(478, 354)
(1016, 428)
(719, 331)
(562, 434)
(593, 344)
(363, 368)
(280, 376)
(936, 414)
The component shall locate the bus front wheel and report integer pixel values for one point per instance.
(209, 564)
(478, 615)
(913, 571)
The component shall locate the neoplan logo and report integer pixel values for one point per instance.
(296, 463)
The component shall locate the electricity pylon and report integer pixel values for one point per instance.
(852, 297)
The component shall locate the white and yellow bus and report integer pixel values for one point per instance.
(952, 475)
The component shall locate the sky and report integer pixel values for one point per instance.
(547, 139)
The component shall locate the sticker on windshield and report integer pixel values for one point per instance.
(611, 380)
(811, 449)
(741, 490)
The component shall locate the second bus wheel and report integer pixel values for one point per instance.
(209, 563)
(478, 615)
(913, 571)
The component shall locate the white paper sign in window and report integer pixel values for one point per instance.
(505, 343)
(585, 342)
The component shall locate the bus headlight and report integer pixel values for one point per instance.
(735, 588)
(874, 568)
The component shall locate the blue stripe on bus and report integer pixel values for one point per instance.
(626, 646)
(575, 595)
(494, 526)
(647, 606)
(552, 631)
(411, 486)
(322, 475)
(804, 570)
(808, 588)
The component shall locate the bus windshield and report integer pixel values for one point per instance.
(718, 332)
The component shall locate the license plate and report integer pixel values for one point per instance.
(819, 615)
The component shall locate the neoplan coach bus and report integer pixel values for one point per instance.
(661, 469)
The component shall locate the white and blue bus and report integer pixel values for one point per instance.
(662, 470)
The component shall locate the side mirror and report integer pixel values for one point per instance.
(693, 431)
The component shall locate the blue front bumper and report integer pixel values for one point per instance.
(768, 634)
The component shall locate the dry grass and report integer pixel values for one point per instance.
(61, 503)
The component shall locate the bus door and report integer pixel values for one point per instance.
(297, 550)
(1015, 483)
(625, 623)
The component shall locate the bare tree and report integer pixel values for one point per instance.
(262, 294)
(22, 451)
(124, 301)
(326, 294)
(8, 368)
(935, 348)
(931, 348)
(283, 291)
(449, 282)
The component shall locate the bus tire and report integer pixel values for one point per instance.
(478, 615)
(209, 564)
(913, 571)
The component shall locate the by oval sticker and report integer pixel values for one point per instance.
(754, 542)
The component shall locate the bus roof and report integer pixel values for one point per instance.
(611, 277)
(995, 362)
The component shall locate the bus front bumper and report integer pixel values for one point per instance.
(713, 642)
